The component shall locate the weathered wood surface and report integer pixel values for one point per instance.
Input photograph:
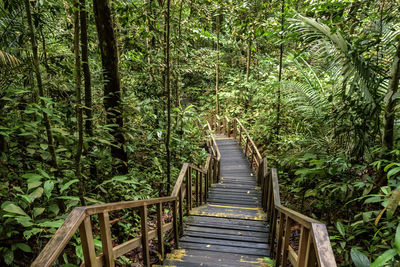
(231, 229)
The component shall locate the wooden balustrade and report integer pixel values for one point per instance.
(190, 190)
(314, 245)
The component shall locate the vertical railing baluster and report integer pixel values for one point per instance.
(304, 233)
(145, 236)
(181, 209)
(106, 239)
(288, 226)
(190, 193)
(160, 223)
(311, 258)
(86, 234)
(197, 188)
(201, 188)
(279, 238)
(176, 222)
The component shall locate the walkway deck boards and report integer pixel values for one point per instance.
(231, 229)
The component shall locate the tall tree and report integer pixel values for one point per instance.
(168, 92)
(278, 106)
(218, 27)
(83, 16)
(78, 108)
(36, 66)
(112, 87)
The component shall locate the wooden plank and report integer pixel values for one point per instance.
(288, 226)
(205, 229)
(304, 233)
(219, 248)
(60, 239)
(106, 239)
(237, 237)
(224, 242)
(179, 181)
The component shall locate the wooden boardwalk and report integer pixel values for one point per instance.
(231, 229)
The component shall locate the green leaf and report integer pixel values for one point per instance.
(385, 257)
(8, 256)
(48, 187)
(397, 239)
(34, 185)
(52, 224)
(32, 176)
(44, 146)
(340, 228)
(359, 259)
(37, 211)
(12, 208)
(29, 233)
(25, 221)
(23, 247)
(393, 171)
(36, 194)
(67, 185)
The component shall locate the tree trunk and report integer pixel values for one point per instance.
(168, 92)
(112, 88)
(88, 84)
(40, 85)
(391, 98)
(78, 108)
(217, 68)
(248, 59)
(278, 106)
(177, 94)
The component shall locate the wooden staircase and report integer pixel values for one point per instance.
(219, 216)
(231, 229)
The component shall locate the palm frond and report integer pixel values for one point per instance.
(7, 59)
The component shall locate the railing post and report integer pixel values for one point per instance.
(160, 223)
(86, 234)
(304, 233)
(288, 225)
(201, 188)
(279, 238)
(106, 239)
(197, 188)
(181, 209)
(190, 193)
(234, 128)
(145, 236)
(311, 258)
(176, 223)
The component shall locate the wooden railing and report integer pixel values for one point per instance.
(314, 248)
(190, 190)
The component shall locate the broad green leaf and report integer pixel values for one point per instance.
(34, 185)
(36, 194)
(359, 259)
(48, 187)
(44, 146)
(397, 239)
(67, 185)
(23, 247)
(32, 176)
(52, 224)
(12, 208)
(25, 221)
(393, 202)
(385, 257)
(37, 211)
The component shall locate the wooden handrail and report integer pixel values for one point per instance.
(314, 245)
(191, 188)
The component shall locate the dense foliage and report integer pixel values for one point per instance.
(326, 115)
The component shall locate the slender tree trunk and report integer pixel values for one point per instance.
(278, 106)
(88, 84)
(177, 94)
(248, 62)
(112, 87)
(40, 84)
(388, 131)
(148, 41)
(218, 26)
(78, 92)
(168, 92)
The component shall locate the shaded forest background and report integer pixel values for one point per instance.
(100, 103)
